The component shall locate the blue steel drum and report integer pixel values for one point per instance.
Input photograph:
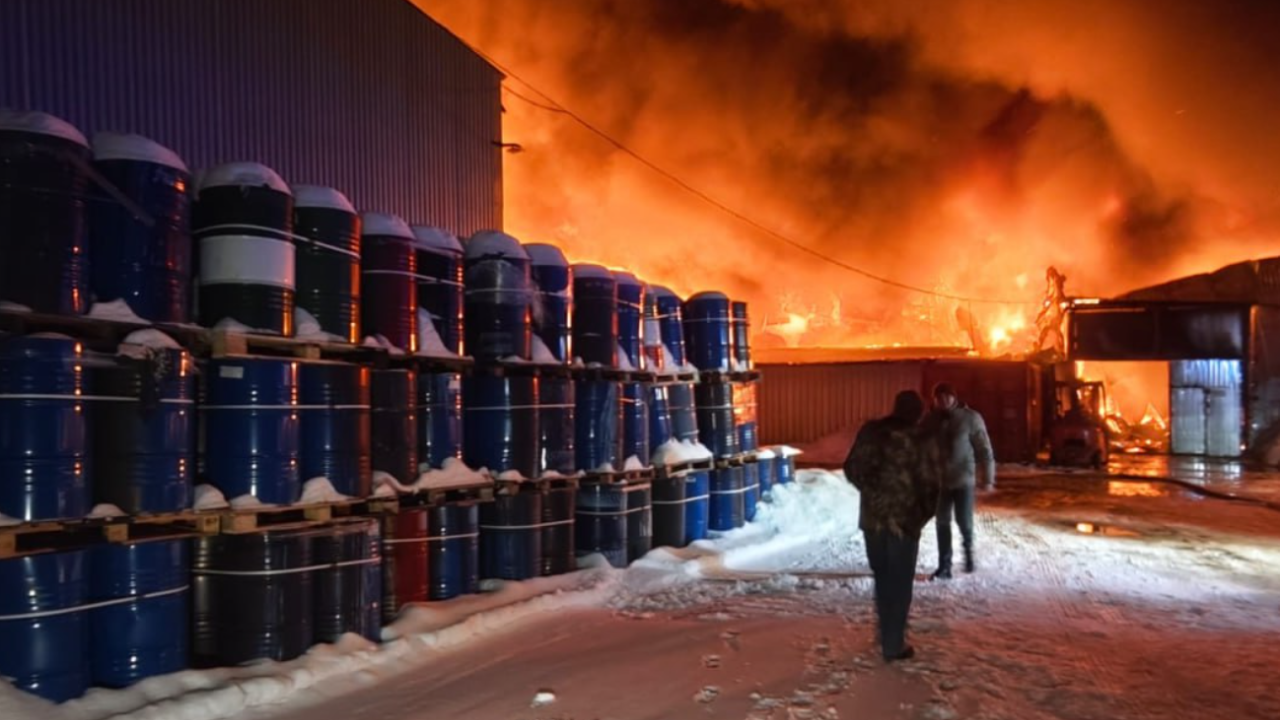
(556, 429)
(335, 431)
(142, 415)
(751, 483)
(146, 264)
(439, 419)
(558, 555)
(44, 444)
(552, 312)
(741, 335)
(744, 416)
(44, 241)
(598, 421)
(635, 422)
(511, 536)
(500, 424)
(764, 471)
(595, 315)
(246, 263)
(394, 423)
(600, 522)
(440, 282)
(453, 546)
(140, 628)
(784, 468)
(498, 297)
(389, 280)
(347, 584)
(716, 428)
(707, 335)
(669, 501)
(327, 232)
(697, 509)
(252, 596)
(44, 632)
(639, 520)
(660, 425)
(728, 504)
(684, 417)
(631, 318)
(669, 310)
(250, 428)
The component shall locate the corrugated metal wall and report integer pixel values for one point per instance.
(799, 404)
(371, 97)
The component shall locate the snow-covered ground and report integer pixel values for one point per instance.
(1095, 599)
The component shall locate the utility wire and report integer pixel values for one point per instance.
(552, 105)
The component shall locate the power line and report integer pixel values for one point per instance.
(552, 105)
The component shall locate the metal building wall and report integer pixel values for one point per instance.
(369, 96)
(799, 404)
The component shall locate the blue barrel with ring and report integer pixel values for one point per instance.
(707, 331)
(751, 483)
(500, 423)
(600, 521)
(765, 469)
(741, 335)
(44, 626)
(631, 319)
(728, 502)
(327, 232)
(558, 553)
(595, 315)
(598, 426)
(784, 466)
(669, 312)
(348, 581)
(246, 260)
(553, 308)
(142, 414)
(660, 425)
(335, 430)
(557, 428)
(389, 280)
(498, 298)
(44, 439)
(145, 261)
(639, 520)
(669, 502)
(394, 423)
(635, 422)
(511, 536)
(744, 415)
(684, 415)
(139, 629)
(251, 429)
(44, 239)
(716, 427)
(697, 517)
(440, 289)
(453, 550)
(439, 419)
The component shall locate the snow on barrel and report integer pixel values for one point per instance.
(141, 251)
(511, 536)
(44, 241)
(142, 416)
(453, 549)
(252, 596)
(707, 331)
(395, 423)
(440, 289)
(243, 224)
(44, 441)
(335, 429)
(139, 623)
(327, 233)
(44, 630)
(348, 580)
(251, 429)
(499, 297)
(389, 277)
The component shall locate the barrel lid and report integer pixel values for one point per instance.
(495, 242)
(546, 254)
(596, 272)
(662, 291)
(123, 146)
(438, 239)
(626, 278)
(708, 295)
(318, 196)
(376, 223)
(243, 174)
(41, 124)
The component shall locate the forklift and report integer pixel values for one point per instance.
(1078, 435)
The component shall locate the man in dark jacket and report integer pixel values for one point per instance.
(967, 461)
(896, 470)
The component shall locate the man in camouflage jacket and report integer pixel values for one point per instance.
(897, 470)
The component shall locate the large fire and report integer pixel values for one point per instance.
(960, 148)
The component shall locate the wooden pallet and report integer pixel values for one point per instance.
(96, 333)
(676, 379)
(55, 535)
(541, 485)
(234, 521)
(621, 477)
(685, 467)
(604, 374)
(734, 376)
(479, 492)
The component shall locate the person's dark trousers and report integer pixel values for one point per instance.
(893, 562)
(957, 502)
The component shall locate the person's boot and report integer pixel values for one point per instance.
(906, 653)
(968, 560)
(941, 574)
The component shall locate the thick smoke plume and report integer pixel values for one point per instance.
(960, 146)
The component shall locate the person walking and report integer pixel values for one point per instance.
(967, 463)
(898, 474)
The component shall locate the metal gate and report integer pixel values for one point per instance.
(1206, 407)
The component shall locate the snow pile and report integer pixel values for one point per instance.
(588, 270)
(511, 476)
(384, 225)
(320, 490)
(40, 124)
(494, 243)
(243, 174)
(624, 360)
(766, 454)
(380, 341)
(209, 497)
(307, 328)
(454, 473)
(118, 146)
(675, 452)
(632, 463)
(436, 239)
(386, 485)
(669, 367)
(542, 354)
(316, 196)
(140, 344)
(106, 510)
(544, 254)
(14, 307)
(117, 311)
(5, 521)
(247, 502)
(429, 342)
